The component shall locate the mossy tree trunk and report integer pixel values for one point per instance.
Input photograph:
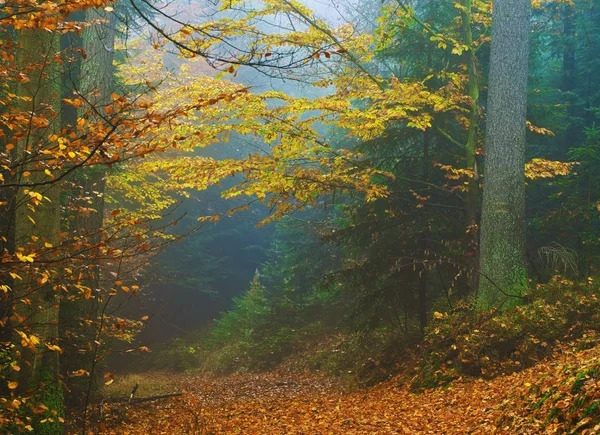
(473, 203)
(502, 253)
(473, 194)
(95, 82)
(36, 225)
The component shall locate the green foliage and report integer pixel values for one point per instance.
(176, 355)
(245, 338)
(361, 358)
(287, 307)
(298, 313)
(570, 212)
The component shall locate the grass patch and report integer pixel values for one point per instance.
(149, 384)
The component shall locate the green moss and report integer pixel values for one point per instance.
(553, 414)
(52, 397)
(540, 403)
(505, 293)
(592, 409)
(581, 379)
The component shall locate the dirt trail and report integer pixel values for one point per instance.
(298, 404)
(283, 403)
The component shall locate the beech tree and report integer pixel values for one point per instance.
(37, 215)
(502, 255)
(94, 82)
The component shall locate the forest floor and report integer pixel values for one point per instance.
(280, 403)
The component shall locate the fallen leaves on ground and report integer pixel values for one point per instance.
(279, 403)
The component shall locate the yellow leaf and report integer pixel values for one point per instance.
(54, 348)
(13, 385)
(30, 341)
(25, 258)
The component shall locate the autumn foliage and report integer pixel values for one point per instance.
(374, 181)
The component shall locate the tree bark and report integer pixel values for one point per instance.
(35, 226)
(95, 82)
(502, 254)
(473, 194)
(473, 202)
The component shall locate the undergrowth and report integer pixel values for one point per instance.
(565, 398)
(467, 343)
(460, 342)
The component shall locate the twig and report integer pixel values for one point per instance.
(133, 401)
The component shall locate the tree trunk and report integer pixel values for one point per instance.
(36, 226)
(422, 249)
(473, 92)
(573, 134)
(502, 254)
(473, 190)
(423, 284)
(95, 82)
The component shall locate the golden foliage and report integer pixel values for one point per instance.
(541, 168)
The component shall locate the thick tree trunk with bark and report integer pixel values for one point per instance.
(38, 225)
(95, 83)
(502, 252)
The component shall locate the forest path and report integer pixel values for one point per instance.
(273, 403)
